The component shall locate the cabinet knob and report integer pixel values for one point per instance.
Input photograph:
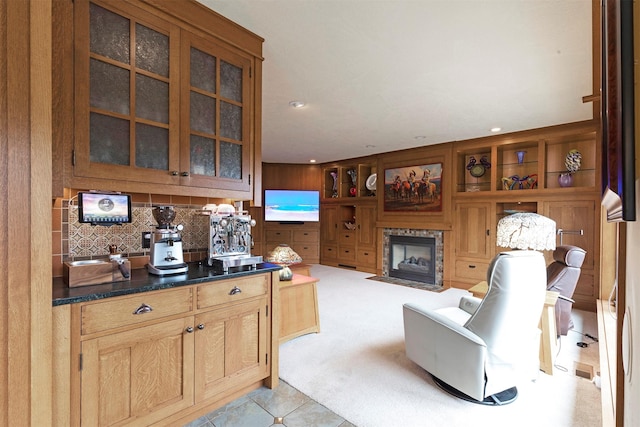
(144, 308)
(184, 174)
(235, 290)
(189, 329)
(201, 326)
(174, 173)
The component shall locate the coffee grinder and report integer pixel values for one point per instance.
(166, 244)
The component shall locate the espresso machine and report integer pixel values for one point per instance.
(230, 239)
(166, 244)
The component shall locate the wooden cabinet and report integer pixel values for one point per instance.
(529, 161)
(162, 356)
(347, 180)
(299, 313)
(161, 104)
(520, 173)
(576, 225)
(139, 376)
(349, 234)
(348, 214)
(304, 239)
(230, 348)
(473, 248)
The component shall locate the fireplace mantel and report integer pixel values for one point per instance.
(418, 225)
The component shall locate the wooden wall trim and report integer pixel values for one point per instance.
(25, 187)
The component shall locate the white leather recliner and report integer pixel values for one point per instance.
(482, 348)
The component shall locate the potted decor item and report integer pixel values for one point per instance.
(572, 162)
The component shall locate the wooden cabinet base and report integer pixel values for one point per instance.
(196, 350)
(298, 307)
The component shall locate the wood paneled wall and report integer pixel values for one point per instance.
(277, 176)
(25, 189)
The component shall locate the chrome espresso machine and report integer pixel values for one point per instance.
(166, 244)
(230, 240)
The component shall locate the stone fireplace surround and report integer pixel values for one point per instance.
(436, 234)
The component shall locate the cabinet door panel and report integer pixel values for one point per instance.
(473, 230)
(230, 348)
(215, 105)
(122, 80)
(329, 224)
(137, 377)
(573, 217)
(366, 226)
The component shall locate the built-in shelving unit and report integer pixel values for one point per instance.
(499, 176)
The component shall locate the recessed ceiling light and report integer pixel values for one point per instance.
(296, 104)
(420, 137)
(369, 146)
(496, 129)
(312, 161)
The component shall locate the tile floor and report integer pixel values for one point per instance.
(282, 406)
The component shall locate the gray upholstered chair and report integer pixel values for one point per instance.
(481, 349)
(562, 276)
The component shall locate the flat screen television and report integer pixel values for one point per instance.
(292, 206)
(618, 112)
(104, 208)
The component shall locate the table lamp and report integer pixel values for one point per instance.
(525, 230)
(284, 256)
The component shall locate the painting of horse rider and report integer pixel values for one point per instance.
(413, 188)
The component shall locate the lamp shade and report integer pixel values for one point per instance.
(283, 254)
(527, 231)
(286, 256)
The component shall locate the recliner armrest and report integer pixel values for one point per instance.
(469, 304)
(445, 322)
(562, 297)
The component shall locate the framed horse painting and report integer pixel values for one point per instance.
(413, 188)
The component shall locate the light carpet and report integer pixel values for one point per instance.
(356, 366)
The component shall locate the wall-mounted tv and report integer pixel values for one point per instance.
(618, 112)
(292, 206)
(104, 208)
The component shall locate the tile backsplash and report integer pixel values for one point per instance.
(73, 240)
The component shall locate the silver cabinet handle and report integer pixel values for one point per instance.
(235, 290)
(201, 326)
(189, 329)
(144, 308)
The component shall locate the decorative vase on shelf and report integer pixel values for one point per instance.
(334, 175)
(354, 176)
(520, 155)
(565, 179)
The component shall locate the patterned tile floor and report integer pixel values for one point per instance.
(282, 406)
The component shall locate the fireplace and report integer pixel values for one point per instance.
(415, 256)
(412, 258)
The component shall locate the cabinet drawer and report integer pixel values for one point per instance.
(347, 253)
(348, 238)
(366, 257)
(279, 236)
(121, 311)
(231, 291)
(330, 252)
(472, 269)
(310, 236)
(306, 251)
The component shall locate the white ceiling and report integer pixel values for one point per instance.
(376, 74)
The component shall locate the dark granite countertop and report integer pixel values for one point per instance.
(142, 281)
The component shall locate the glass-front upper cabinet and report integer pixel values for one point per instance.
(155, 103)
(126, 77)
(215, 114)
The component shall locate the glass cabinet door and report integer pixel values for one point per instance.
(126, 122)
(216, 124)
